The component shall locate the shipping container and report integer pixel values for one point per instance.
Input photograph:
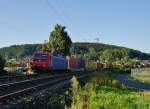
(58, 63)
(72, 63)
(99, 66)
(90, 65)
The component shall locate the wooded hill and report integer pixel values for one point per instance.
(78, 48)
(19, 51)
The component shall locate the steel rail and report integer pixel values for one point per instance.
(12, 90)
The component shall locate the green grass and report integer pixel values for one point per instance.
(114, 98)
(142, 76)
(103, 92)
(140, 79)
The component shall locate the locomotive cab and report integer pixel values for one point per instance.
(41, 61)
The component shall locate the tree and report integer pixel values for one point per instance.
(59, 41)
(2, 63)
(45, 47)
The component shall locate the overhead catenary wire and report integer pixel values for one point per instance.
(60, 14)
(55, 11)
(67, 18)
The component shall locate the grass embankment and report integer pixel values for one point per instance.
(143, 76)
(103, 92)
(140, 75)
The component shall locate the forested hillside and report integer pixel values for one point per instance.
(97, 50)
(19, 51)
(89, 50)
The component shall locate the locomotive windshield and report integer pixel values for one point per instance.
(40, 57)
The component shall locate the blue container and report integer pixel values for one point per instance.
(58, 63)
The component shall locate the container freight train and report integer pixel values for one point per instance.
(45, 61)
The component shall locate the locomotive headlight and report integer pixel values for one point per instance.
(44, 65)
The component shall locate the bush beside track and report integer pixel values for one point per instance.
(103, 91)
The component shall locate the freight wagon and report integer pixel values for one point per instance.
(75, 64)
(90, 65)
(72, 63)
(99, 66)
(93, 65)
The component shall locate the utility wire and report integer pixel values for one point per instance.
(67, 19)
(60, 14)
(56, 12)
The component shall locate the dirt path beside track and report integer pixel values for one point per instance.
(132, 84)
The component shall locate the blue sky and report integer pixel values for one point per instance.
(118, 22)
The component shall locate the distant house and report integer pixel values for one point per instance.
(145, 63)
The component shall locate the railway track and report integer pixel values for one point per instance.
(10, 91)
(17, 78)
(10, 79)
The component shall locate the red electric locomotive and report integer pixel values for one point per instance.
(45, 61)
